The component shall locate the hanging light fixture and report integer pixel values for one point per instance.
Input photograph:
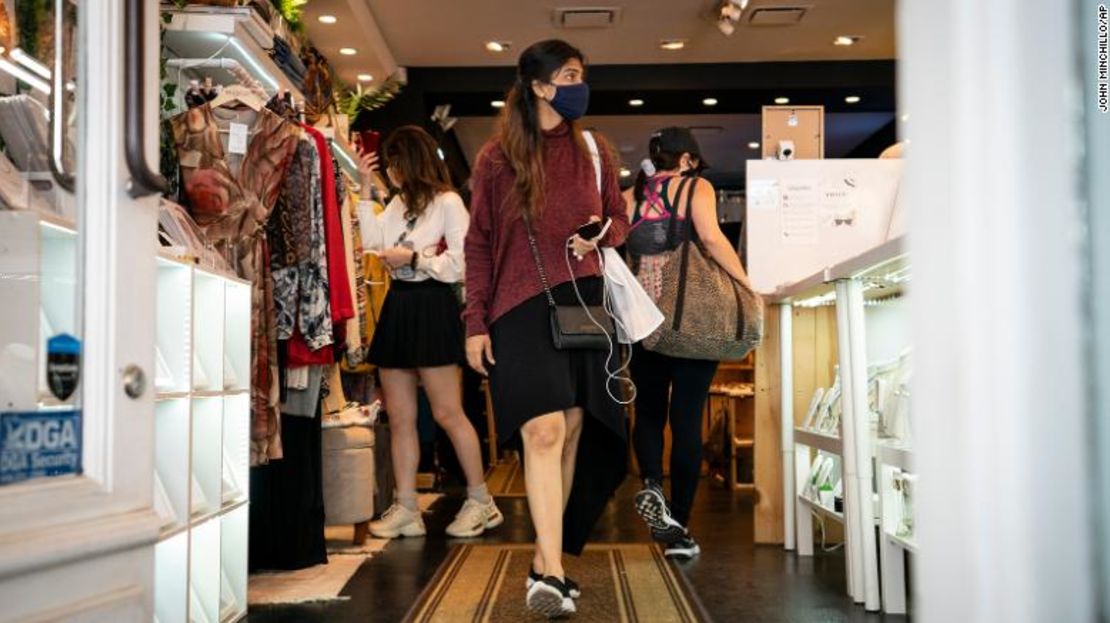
(728, 14)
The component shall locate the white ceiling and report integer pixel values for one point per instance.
(451, 33)
(725, 149)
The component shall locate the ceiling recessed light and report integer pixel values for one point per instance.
(348, 51)
(709, 101)
(327, 19)
(635, 103)
(498, 46)
(845, 40)
(672, 44)
(782, 100)
(497, 103)
(753, 145)
(365, 78)
(625, 172)
(852, 99)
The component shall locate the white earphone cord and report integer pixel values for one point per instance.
(611, 375)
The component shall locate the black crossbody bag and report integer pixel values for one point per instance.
(571, 326)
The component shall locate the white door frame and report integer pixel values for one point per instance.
(50, 526)
(993, 163)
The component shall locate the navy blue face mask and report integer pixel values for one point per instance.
(571, 100)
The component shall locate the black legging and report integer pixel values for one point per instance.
(687, 381)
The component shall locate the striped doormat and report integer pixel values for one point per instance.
(506, 479)
(620, 582)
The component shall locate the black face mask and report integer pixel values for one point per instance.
(571, 100)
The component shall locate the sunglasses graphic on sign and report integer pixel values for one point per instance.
(63, 365)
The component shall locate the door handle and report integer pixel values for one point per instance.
(134, 381)
(144, 181)
(57, 104)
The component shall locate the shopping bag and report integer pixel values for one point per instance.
(636, 314)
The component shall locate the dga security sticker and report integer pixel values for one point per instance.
(39, 444)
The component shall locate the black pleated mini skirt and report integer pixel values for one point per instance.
(420, 327)
(532, 378)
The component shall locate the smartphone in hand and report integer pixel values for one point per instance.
(369, 142)
(594, 230)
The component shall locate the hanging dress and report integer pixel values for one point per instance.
(231, 196)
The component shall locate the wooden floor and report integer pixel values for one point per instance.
(734, 579)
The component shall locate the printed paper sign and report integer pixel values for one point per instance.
(801, 216)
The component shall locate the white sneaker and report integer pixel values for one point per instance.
(475, 518)
(550, 598)
(398, 521)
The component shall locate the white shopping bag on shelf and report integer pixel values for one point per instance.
(636, 314)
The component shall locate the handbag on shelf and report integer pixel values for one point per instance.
(709, 315)
(573, 327)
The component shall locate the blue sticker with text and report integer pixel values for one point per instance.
(39, 444)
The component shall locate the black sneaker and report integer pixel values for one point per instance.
(551, 598)
(572, 586)
(652, 508)
(684, 549)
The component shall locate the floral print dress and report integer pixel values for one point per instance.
(231, 197)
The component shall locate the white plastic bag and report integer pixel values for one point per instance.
(636, 314)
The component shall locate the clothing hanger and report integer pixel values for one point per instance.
(235, 94)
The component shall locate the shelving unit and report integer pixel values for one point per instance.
(207, 41)
(236, 33)
(870, 325)
(731, 398)
(202, 444)
(895, 468)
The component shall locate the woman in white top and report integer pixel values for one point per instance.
(420, 336)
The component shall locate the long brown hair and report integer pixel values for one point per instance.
(520, 134)
(412, 153)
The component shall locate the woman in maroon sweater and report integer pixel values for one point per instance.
(539, 170)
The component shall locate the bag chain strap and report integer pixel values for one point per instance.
(539, 262)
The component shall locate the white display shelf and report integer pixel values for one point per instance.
(233, 564)
(822, 510)
(171, 579)
(207, 469)
(819, 441)
(907, 544)
(236, 448)
(174, 327)
(204, 572)
(208, 342)
(896, 455)
(235, 33)
(871, 325)
(237, 331)
(886, 256)
(171, 460)
(202, 444)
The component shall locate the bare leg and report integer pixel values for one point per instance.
(570, 450)
(399, 387)
(444, 390)
(570, 454)
(544, 437)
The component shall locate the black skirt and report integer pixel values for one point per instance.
(532, 378)
(420, 327)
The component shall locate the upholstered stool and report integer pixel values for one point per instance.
(349, 478)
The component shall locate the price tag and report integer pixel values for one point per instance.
(237, 144)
